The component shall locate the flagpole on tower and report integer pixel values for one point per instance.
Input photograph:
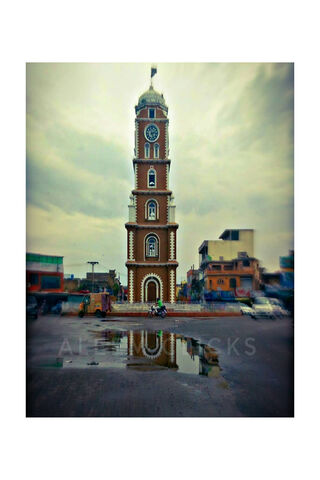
(153, 72)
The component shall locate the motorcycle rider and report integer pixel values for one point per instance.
(160, 305)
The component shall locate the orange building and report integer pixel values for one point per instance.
(240, 273)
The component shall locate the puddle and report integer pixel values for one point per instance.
(145, 350)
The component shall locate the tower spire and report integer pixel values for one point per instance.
(153, 72)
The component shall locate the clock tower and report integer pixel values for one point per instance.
(151, 230)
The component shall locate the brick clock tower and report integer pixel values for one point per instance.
(151, 230)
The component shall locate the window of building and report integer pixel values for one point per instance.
(233, 283)
(246, 263)
(34, 279)
(152, 247)
(147, 150)
(152, 210)
(210, 284)
(156, 150)
(152, 178)
(228, 267)
(48, 282)
(220, 281)
(235, 235)
(216, 267)
(152, 113)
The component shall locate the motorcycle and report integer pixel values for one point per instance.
(157, 311)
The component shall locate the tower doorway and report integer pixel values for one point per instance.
(151, 288)
(151, 291)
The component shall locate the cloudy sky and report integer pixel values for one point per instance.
(231, 146)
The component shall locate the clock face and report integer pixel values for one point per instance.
(151, 132)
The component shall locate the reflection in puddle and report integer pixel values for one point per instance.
(155, 350)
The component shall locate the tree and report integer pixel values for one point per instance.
(196, 289)
(116, 289)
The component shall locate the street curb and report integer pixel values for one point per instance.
(176, 314)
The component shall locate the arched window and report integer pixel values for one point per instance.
(156, 150)
(152, 210)
(146, 150)
(152, 178)
(152, 246)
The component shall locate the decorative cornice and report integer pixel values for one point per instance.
(145, 119)
(151, 160)
(152, 192)
(150, 264)
(151, 225)
(148, 104)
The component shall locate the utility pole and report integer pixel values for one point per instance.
(120, 289)
(93, 264)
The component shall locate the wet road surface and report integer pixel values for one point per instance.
(232, 366)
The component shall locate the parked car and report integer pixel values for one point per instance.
(32, 307)
(245, 309)
(262, 307)
(278, 307)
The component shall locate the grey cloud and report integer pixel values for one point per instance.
(48, 185)
(231, 145)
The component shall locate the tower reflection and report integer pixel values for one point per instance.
(152, 348)
(170, 350)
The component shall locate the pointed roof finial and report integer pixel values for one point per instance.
(153, 72)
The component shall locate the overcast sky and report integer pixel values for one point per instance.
(231, 147)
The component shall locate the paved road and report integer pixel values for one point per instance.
(254, 378)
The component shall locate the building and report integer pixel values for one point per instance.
(98, 282)
(283, 278)
(71, 284)
(240, 276)
(271, 279)
(192, 274)
(287, 270)
(228, 264)
(151, 230)
(102, 281)
(182, 291)
(44, 273)
(231, 243)
(194, 288)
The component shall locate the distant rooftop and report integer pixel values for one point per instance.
(227, 234)
(40, 257)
